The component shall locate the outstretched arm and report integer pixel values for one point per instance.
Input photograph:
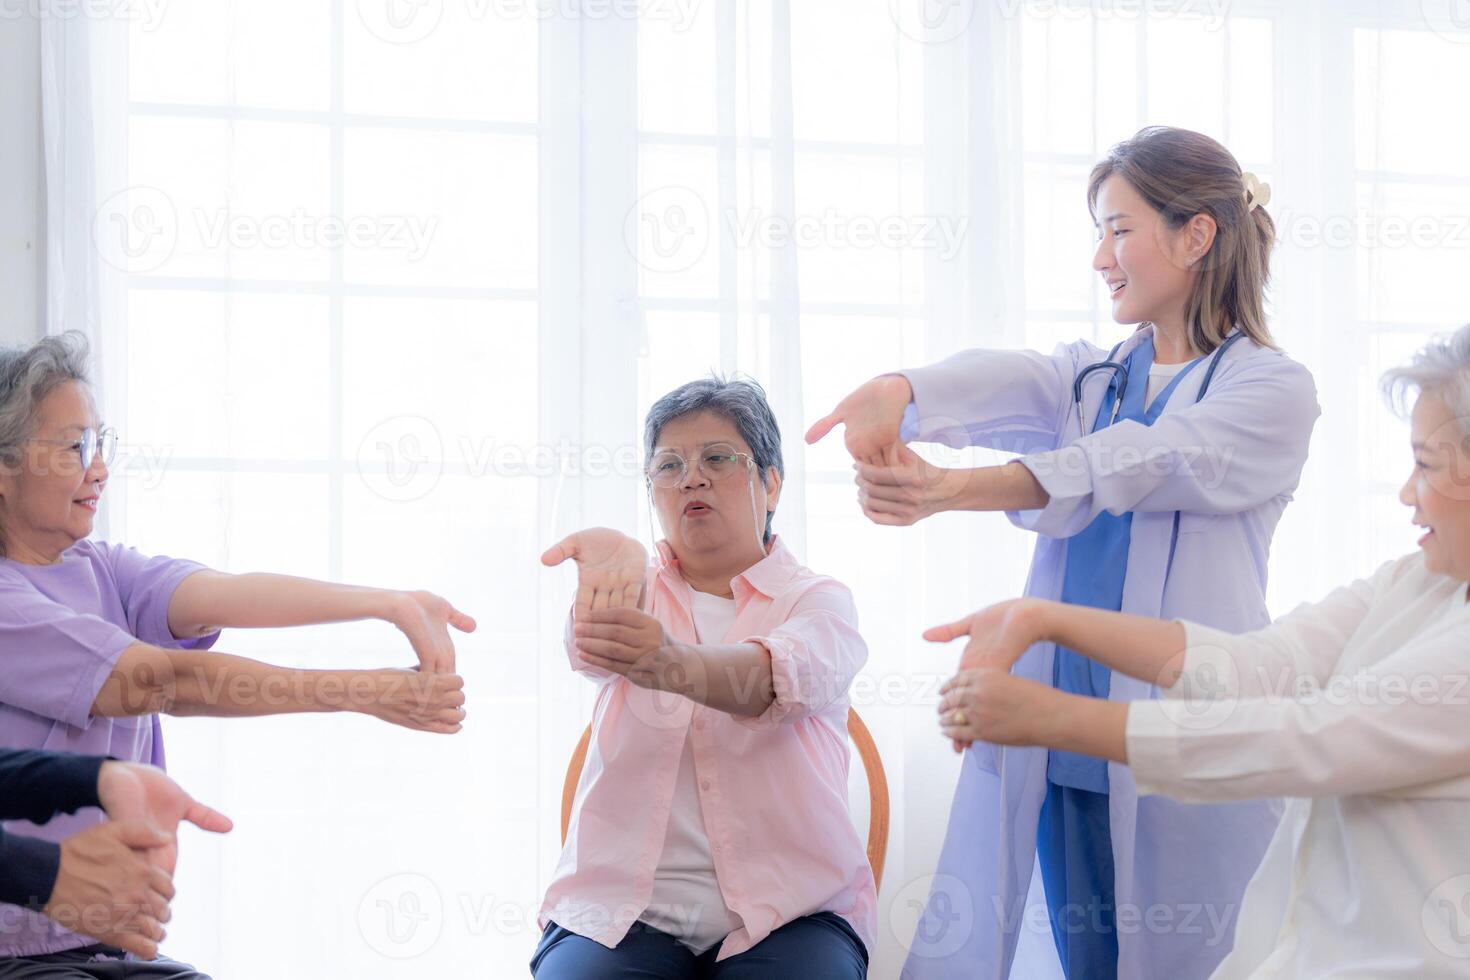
(207, 601)
(148, 680)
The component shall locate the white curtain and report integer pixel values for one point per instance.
(381, 292)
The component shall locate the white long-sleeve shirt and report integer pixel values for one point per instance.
(1356, 708)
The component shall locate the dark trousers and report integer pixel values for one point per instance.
(814, 947)
(94, 963)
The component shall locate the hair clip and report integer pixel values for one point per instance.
(1257, 191)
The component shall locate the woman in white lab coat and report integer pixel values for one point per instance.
(1357, 708)
(1154, 483)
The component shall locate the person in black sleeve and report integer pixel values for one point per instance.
(113, 881)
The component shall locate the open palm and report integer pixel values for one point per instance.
(134, 793)
(611, 568)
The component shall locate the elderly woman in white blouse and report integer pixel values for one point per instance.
(1356, 708)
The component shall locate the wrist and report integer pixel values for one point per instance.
(679, 664)
(388, 605)
(897, 388)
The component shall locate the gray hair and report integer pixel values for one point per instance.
(742, 401)
(27, 376)
(1440, 368)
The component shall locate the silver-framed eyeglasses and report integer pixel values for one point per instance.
(716, 462)
(88, 446)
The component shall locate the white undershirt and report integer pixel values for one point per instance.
(1159, 376)
(686, 901)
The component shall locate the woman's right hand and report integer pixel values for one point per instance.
(611, 568)
(107, 888)
(872, 416)
(423, 701)
(998, 635)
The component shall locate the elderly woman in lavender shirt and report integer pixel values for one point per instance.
(96, 639)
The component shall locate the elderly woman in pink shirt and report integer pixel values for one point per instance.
(711, 836)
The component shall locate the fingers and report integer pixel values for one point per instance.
(606, 663)
(887, 475)
(140, 836)
(162, 886)
(626, 616)
(585, 594)
(949, 631)
(463, 622)
(615, 632)
(139, 946)
(207, 818)
(608, 650)
(560, 552)
(821, 427)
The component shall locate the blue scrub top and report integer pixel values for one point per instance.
(1097, 559)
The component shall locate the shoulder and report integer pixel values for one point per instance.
(1247, 361)
(1409, 574)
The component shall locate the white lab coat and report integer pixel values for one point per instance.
(1358, 708)
(1230, 464)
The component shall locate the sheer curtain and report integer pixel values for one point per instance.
(381, 292)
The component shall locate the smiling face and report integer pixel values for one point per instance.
(1439, 487)
(47, 501)
(1146, 265)
(713, 521)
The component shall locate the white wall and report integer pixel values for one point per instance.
(21, 196)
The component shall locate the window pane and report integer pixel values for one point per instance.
(231, 54)
(436, 60)
(219, 198)
(441, 209)
(250, 368)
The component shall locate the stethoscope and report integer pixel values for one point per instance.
(1120, 376)
(1119, 371)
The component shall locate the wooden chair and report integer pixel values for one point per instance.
(872, 765)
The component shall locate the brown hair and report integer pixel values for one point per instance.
(1181, 174)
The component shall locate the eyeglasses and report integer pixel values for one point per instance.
(717, 462)
(88, 446)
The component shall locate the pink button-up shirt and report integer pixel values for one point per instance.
(773, 788)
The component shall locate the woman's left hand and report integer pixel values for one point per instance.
(989, 704)
(908, 489)
(425, 619)
(632, 643)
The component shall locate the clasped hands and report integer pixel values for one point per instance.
(984, 702)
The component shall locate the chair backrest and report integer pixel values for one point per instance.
(867, 751)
